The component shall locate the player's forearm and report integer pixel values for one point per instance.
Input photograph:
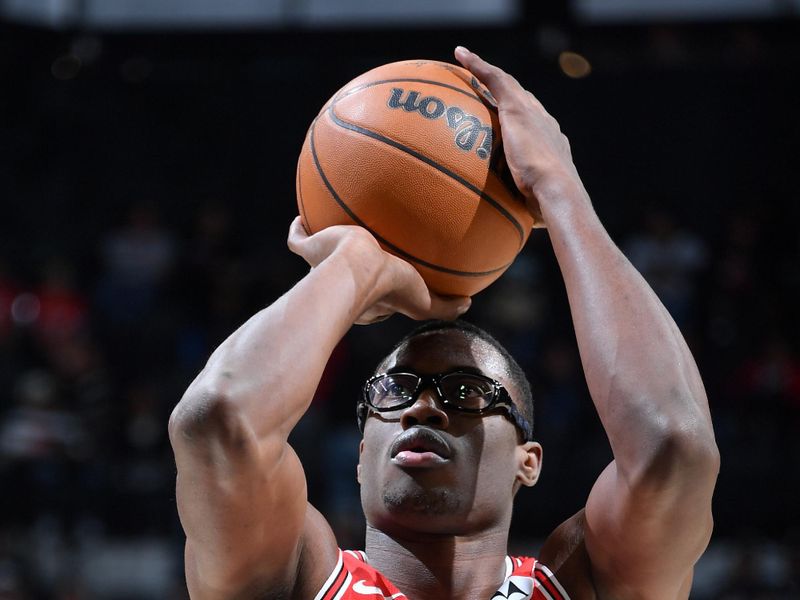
(640, 372)
(267, 371)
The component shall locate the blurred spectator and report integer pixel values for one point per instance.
(765, 388)
(211, 250)
(669, 258)
(212, 286)
(12, 577)
(38, 428)
(9, 351)
(759, 574)
(40, 443)
(770, 379)
(144, 478)
(137, 260)
(515, 308)
(63, 308)
(8, 291)
(563, 393)
(133, 319)
(736, 310)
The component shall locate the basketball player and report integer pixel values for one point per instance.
(446, 425)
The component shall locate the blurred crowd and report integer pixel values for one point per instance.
(93, 360)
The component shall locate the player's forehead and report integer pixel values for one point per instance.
(443, 350)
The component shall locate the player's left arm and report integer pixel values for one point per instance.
(648, 517)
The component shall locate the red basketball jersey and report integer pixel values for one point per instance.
(354, 579)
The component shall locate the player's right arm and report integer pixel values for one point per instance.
(241, 489)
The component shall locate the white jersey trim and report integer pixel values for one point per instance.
(345, 587)
(551, 576)
(331, 578)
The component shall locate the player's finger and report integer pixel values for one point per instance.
(443, 307)
(370, 318)
(500, 83)
(297, 236)
(534, 100)
(297, 233)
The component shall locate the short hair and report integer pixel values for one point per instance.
(471, 331)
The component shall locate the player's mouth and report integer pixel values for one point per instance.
(420, 447)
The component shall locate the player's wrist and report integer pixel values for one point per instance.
(558, 196)
(363, 264)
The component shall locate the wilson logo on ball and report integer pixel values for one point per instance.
(469, 129)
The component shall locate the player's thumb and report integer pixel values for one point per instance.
(298, 238)
(446, 307)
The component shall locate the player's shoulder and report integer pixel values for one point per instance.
(564, 542)
(319, 553)
(565, 556)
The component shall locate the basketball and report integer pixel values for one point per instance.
(412, 152)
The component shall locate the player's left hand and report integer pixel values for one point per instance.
(537, 152)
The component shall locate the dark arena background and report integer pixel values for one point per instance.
(147, 164)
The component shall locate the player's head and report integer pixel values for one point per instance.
(447, 434)
(523, 398)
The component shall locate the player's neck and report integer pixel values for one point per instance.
(437, 566)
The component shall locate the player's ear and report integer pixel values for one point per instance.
(530, 463)
(358, 466)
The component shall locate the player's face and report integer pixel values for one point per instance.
(428, 469)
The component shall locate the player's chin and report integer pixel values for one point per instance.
(415, 499)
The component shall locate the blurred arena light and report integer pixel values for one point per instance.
(211, 14)
(574, 65)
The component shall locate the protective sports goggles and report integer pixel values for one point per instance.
(458, 390)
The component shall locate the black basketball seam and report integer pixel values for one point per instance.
(388, 244)
(364, 86)
(429, 161)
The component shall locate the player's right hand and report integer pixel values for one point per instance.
(538, 153)
(398, 288)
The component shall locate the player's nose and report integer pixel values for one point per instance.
(427, 410)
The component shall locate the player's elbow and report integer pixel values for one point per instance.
(684, 451)
(206, 415)
(694, 448)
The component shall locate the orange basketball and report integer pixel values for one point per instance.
(412, 152)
